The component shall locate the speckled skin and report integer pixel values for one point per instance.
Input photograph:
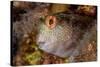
(65, 39)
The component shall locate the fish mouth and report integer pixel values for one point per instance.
(40, 43)
(45, 46)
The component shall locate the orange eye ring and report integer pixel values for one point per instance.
(51, 21)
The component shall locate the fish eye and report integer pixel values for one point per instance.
(51, 22)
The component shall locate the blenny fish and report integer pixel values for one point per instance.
(64, 35)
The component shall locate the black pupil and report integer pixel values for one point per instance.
(51, 21)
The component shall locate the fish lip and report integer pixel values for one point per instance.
(40, 43)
